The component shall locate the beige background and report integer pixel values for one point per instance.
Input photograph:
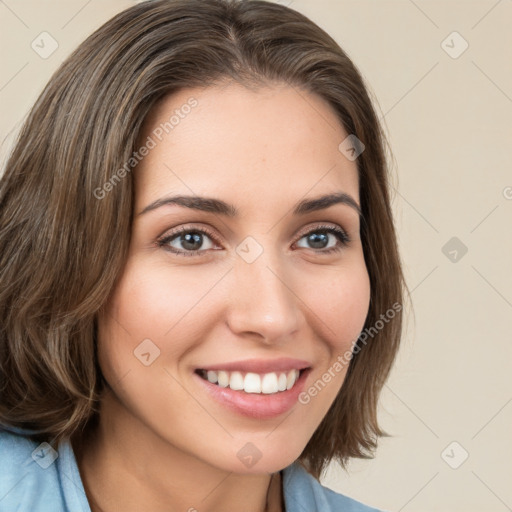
(449, 123)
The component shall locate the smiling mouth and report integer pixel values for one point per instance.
(249, 382)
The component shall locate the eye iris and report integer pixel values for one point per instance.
(318, 239)
(192, 241)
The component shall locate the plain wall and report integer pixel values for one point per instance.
(448, 116)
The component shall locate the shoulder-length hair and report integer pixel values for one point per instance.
(63, 244)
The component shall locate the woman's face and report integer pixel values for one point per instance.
(255, 297)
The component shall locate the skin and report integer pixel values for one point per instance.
(162, 442)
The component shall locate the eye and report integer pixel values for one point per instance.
(190, 241)
(319, 238)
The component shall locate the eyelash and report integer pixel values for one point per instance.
(340, 234)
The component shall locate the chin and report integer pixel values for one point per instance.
(264, 456)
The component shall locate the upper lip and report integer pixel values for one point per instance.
(260, 365)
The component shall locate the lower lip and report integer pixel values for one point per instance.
(256, 405)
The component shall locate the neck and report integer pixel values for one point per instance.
(125, 466)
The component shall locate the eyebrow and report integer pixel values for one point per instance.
(212, 205)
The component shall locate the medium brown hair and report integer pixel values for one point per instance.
(62, 249)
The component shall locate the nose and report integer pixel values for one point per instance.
(262, 301)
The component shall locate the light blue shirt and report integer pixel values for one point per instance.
(36, 478)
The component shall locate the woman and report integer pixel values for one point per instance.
(201, 290)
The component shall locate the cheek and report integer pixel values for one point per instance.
(153, 311)
(340, 300)
(150, 300)
(168, 306)
(340, 308)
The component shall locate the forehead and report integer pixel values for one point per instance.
(240, 144)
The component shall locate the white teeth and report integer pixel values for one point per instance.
(268, 383)
(252, 383)
(223, 379)
(281, 382)
(236, 381)
(293, 375)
